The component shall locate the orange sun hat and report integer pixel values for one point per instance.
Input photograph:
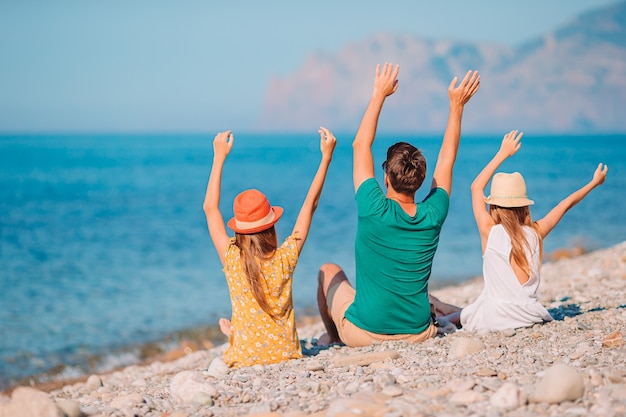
(253, 213)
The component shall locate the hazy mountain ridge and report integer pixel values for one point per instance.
(572, 80)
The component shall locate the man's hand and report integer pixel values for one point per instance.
(442, 177)
(386, 82)
(460, 95)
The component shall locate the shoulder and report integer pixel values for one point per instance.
(438, 195)
(232, 252)
(287, 253)
(532, 235)
(437, 202)
(498, 230)
(498, 236)
(231, 245)
(368, 187)
(289, 245)
(370, 197)
(290, 240)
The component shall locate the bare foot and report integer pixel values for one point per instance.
(323, 340)
(326, 340)
(445, 327)
(225, 327)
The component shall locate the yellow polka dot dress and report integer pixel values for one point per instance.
(256, 337)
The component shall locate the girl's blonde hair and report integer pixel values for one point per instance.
(512, 219)
(254, 248)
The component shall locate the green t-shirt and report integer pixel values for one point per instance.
(393, 255)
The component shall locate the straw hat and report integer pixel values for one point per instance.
(508, 190)
(253, 213)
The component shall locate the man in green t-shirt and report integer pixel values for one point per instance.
(396, 238)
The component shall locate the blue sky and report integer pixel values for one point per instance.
(201, 66)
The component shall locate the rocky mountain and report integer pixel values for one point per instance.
(572, 80)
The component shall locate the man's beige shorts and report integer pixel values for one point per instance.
(340, 296)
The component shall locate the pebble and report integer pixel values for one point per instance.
(463, 346)
(559, 383)
(202, 398)
(506, 397)
(26, 401)
(508, 332)
(573, 366)
(69, 408)
(127, 401)
(94, 382)
(217, 368)
(613, 340)
(187, 384)
(392, 391)
(466, 397)
(486, 372)
(364, 359)
(314, 365)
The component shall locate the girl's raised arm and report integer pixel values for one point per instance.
(222, 145)
(510, 145)
(303, 222)
(555, 215)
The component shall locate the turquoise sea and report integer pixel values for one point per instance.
(104, 246)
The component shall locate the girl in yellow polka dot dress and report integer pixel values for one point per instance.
(258, 271)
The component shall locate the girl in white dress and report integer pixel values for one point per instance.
(512, 245)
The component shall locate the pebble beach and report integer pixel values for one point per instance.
(573, 366)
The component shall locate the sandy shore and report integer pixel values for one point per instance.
(574, 366)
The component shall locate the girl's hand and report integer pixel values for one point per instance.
(222, 144)
(600, 174)
(327, 142)
(511, 143)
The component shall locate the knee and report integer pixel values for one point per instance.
(328, 272)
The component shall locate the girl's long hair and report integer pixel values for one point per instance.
(254, 248)
(512, 219)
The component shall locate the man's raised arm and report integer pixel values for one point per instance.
(385, 84)
(459, 96)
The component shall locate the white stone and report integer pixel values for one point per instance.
(466, 397)
(392, 391)
(202, 398)
(506, 397)
(459, 385)
(69, 408)
(127, 401)
(185, 385)
(559, 383)
(94, 382)
(314, 365)
(29, 402)
(463, 346)
(508, 332)
(355, 407)
(217, 368)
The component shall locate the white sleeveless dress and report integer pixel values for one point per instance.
(505, 303)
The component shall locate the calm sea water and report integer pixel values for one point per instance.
(103, 242)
